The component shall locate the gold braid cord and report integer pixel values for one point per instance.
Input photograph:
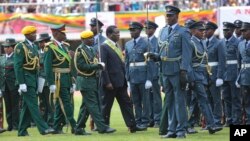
(80, 51)
(162, 44)
(202, 56)
(30, 61)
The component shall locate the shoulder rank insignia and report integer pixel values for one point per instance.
(78, 53)
(17, 50)
(48, 43)
(46, 49)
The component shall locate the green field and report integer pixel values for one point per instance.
(122, 133)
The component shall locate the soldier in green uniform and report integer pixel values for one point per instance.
(8, 84)
(87, 67)
(26, 64)
(43, 88)
(57, 65)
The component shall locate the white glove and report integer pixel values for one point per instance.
(237, 84)
(73, 88)
(102, 64)
(219, 82)
(22, 88)
(52, 88)
(129, 88)
(1, 94)
(148, 84)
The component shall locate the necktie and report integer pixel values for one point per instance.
(134, 42)
(169, 30)
(207, 43)
(246, 44)
(226, 42)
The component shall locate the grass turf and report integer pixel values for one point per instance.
(122, 133)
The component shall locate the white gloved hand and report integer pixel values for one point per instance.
(22, 88)
(129, 88)
(237, 84)
(148, 84)
(102, 65)
(1, 94)
(219, 82)
(73, 88)
(52, 88)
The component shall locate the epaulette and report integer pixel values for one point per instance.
(66, 43)
(48, 43)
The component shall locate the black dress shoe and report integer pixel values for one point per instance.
(169, 136)
(212, 130)
(22, 135)
(108, 130)
(137, 128)
(49, 131)
(2, 130)
(58, 132)
(9, 128)
(191, 131)
(151, 124)
(81, 132)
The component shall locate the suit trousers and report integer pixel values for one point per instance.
(124, 102)
(30, 111)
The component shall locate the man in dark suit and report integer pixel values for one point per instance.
(113, 80)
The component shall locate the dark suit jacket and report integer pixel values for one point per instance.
(114, 72)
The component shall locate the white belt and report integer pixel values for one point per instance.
(245, 65)
(211, 64)
(229, 62)
(136, 64)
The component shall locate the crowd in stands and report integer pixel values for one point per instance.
(80, 6)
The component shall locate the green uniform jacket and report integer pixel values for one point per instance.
(24, 76)
(7, 73)
(85, 82)
(51, 61)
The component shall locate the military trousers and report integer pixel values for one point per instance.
(176, 103)
(216, 102)
(232, 101)
(30, 111)
(11, 99)
(140, 98)
(45, 106)
(194, 111)
(155, 102)
(66, 105)
(90, 105)
(200, 93)
(163, 128)
(245, 90)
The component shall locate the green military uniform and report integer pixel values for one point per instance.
(44, 93)
(87, 67)
(57, 64)
(10, 91)
(26, 69)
